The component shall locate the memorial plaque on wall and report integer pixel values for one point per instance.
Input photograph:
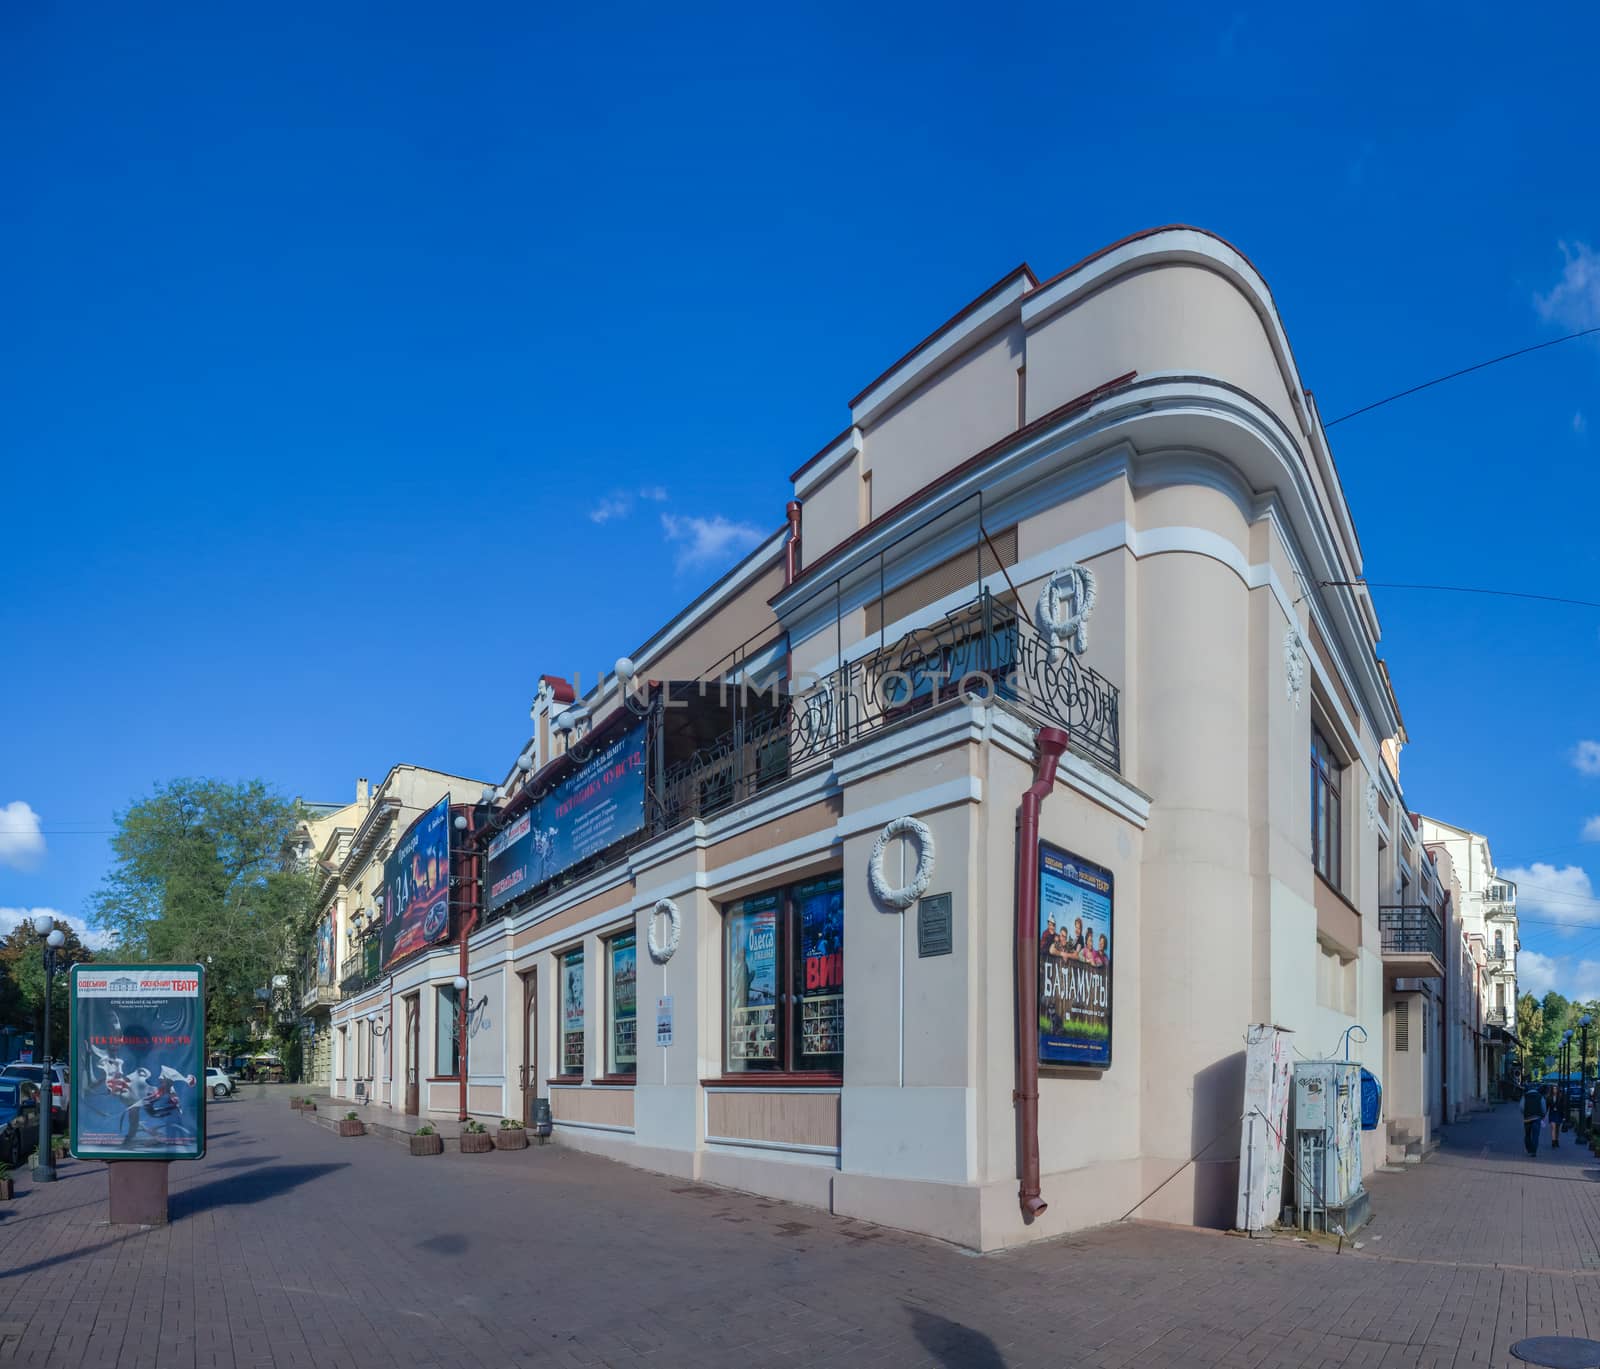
(933, 925)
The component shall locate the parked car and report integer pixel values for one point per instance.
(61, 1089)
(219, 1081)
(19, 1120)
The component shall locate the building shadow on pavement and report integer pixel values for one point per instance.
(951, 1343)
(241, 1190)
(240, 1162)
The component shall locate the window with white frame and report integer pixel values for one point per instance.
(1327, 818)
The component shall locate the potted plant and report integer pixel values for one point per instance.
(426, 1141)
(296, 1102)
(511, 1136)
(308, 1104)
(475, 1138)
(351, 1125)
(5, 1182)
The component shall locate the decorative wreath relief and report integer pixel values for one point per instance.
(1372, 806)
(902, 898)
(1294, 665)
(1065, 603)
(659, 953)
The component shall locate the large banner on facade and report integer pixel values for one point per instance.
(1075, 907)
(416, 886)
(325, 951)
(599, 802)
(138, 1060)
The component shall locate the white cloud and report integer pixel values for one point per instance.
(1586, 757)
(1580, 424)
(1574, 301)
(615, 506)
(1538, 974)
(656, 494)
(707, 541)
(94, 940)
(1591, 829)
(21, 841)
(1564, 896)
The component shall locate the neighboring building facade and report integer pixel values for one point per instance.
(1489, 927)
(351, 846)
(775, 942)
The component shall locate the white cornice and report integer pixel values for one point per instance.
(841, 453)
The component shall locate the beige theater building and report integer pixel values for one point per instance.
(1100, 505)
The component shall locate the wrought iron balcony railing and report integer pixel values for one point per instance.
(981, 649)
(1411, 930)
(1495, 1017)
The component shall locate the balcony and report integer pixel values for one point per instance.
(360, 970)
(1412, 941)
(1495, 1017)
(318, 996)
(982, 648)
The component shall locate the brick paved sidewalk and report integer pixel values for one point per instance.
(292, 1247)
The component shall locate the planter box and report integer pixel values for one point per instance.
(308, 1107)
(296, 1104)
(350, 1128)
(476, 1142)
(5, 1190)
(511, 1138)
(427, 1145)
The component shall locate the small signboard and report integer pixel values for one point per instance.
(933, 925)
(138, 1062)
(664, 1020)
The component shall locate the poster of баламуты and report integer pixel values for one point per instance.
(138, 1061)
(1075, 938)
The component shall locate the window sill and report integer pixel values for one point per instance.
(443, 1079)
(570, 1080)
(1336, 891)
(774, 1079)
(628, 1079)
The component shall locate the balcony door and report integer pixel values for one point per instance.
(413, 1004)
(529, 1074)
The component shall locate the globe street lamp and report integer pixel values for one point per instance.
(44, 1167)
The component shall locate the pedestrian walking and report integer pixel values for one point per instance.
(1555, 1119)
(1532, 1118)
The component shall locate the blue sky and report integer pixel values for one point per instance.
(359, 365)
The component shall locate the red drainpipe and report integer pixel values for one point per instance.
(791, 548)
(1052, 743)
(471, 873)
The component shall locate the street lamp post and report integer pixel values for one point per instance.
(44, 1168)
(1583, 1078)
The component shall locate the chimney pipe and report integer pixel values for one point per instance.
(1052, 742)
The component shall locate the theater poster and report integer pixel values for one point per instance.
(138, 1061)
(416, 886)
(821, 972)
(1075, 947)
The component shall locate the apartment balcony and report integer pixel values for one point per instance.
(1412, 942)
(318, 996)
(1495, 1017)
(360, 970)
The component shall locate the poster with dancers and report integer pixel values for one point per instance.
(138, 1059)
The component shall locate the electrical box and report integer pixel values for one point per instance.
(1328, 1192)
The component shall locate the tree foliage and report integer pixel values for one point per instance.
(203, 874)
(22, 981)
(1541, 1023)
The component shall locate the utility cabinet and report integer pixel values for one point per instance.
(1328, 1192)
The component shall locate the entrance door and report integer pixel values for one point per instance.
(413, 1051)
(530, 1046)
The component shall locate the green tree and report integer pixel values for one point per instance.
(203, 874)
(22, 969)
(1530, 1031)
